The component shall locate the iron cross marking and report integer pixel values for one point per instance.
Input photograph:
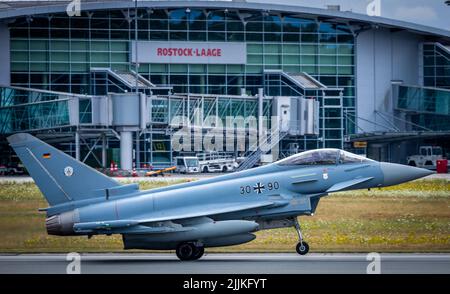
(258, 188)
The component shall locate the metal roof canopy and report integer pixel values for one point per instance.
(302, 79)
(387, 137)
(25, 8)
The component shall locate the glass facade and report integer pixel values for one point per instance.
(428, 107)
(57, 52)
(436, 65)
(91, 55)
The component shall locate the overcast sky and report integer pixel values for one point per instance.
(427, 12)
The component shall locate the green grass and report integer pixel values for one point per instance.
(420, 188)
(412, 217)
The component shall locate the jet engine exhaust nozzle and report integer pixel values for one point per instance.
(60, 224)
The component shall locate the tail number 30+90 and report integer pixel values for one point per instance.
(259, 187)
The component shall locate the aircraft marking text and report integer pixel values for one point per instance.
(259, 187)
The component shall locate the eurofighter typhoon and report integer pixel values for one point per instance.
(189, 217)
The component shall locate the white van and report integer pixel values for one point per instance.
(187, 164)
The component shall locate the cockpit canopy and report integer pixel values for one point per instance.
(323, 157)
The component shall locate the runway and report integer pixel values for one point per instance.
(229, 263)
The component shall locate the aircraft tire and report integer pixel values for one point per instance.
(199, 251)
(185, 251)
(302, 248)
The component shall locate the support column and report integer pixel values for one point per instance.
(103, 150)
(126, 150)
(138, 151)
(260, 113)
(77, 145)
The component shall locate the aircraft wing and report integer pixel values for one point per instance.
(347, 184)
(126, 227)
(161, 221)
(208, 210)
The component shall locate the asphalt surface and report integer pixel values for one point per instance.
(229, 263)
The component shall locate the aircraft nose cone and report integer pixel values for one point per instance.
(398, 173)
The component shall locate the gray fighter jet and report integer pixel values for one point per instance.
(220, 211)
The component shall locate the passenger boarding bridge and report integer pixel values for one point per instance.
(139, 123)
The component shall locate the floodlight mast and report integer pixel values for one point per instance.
(136, 65)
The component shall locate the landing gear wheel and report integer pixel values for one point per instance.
(302, 248)
(185, 251)
(199, 251)
(188, 251)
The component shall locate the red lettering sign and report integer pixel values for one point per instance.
(214, 52)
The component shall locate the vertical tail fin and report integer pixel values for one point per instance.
(60, 177)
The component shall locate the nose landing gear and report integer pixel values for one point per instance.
(302, 247)
(189, 251)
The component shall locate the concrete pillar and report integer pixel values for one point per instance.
(77, 145)
(126, 150)
(138, 151)
(103, 150)
(260, 113)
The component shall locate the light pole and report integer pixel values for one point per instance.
(136, 65)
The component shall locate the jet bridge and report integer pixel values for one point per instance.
(297, 116)
(80, 121)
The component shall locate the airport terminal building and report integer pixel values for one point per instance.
(105, 85)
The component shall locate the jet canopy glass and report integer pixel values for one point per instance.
(323, 157)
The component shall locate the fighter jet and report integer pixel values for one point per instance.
(189, 217)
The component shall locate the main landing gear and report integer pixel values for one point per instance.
(302, 247)
(189, 251)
